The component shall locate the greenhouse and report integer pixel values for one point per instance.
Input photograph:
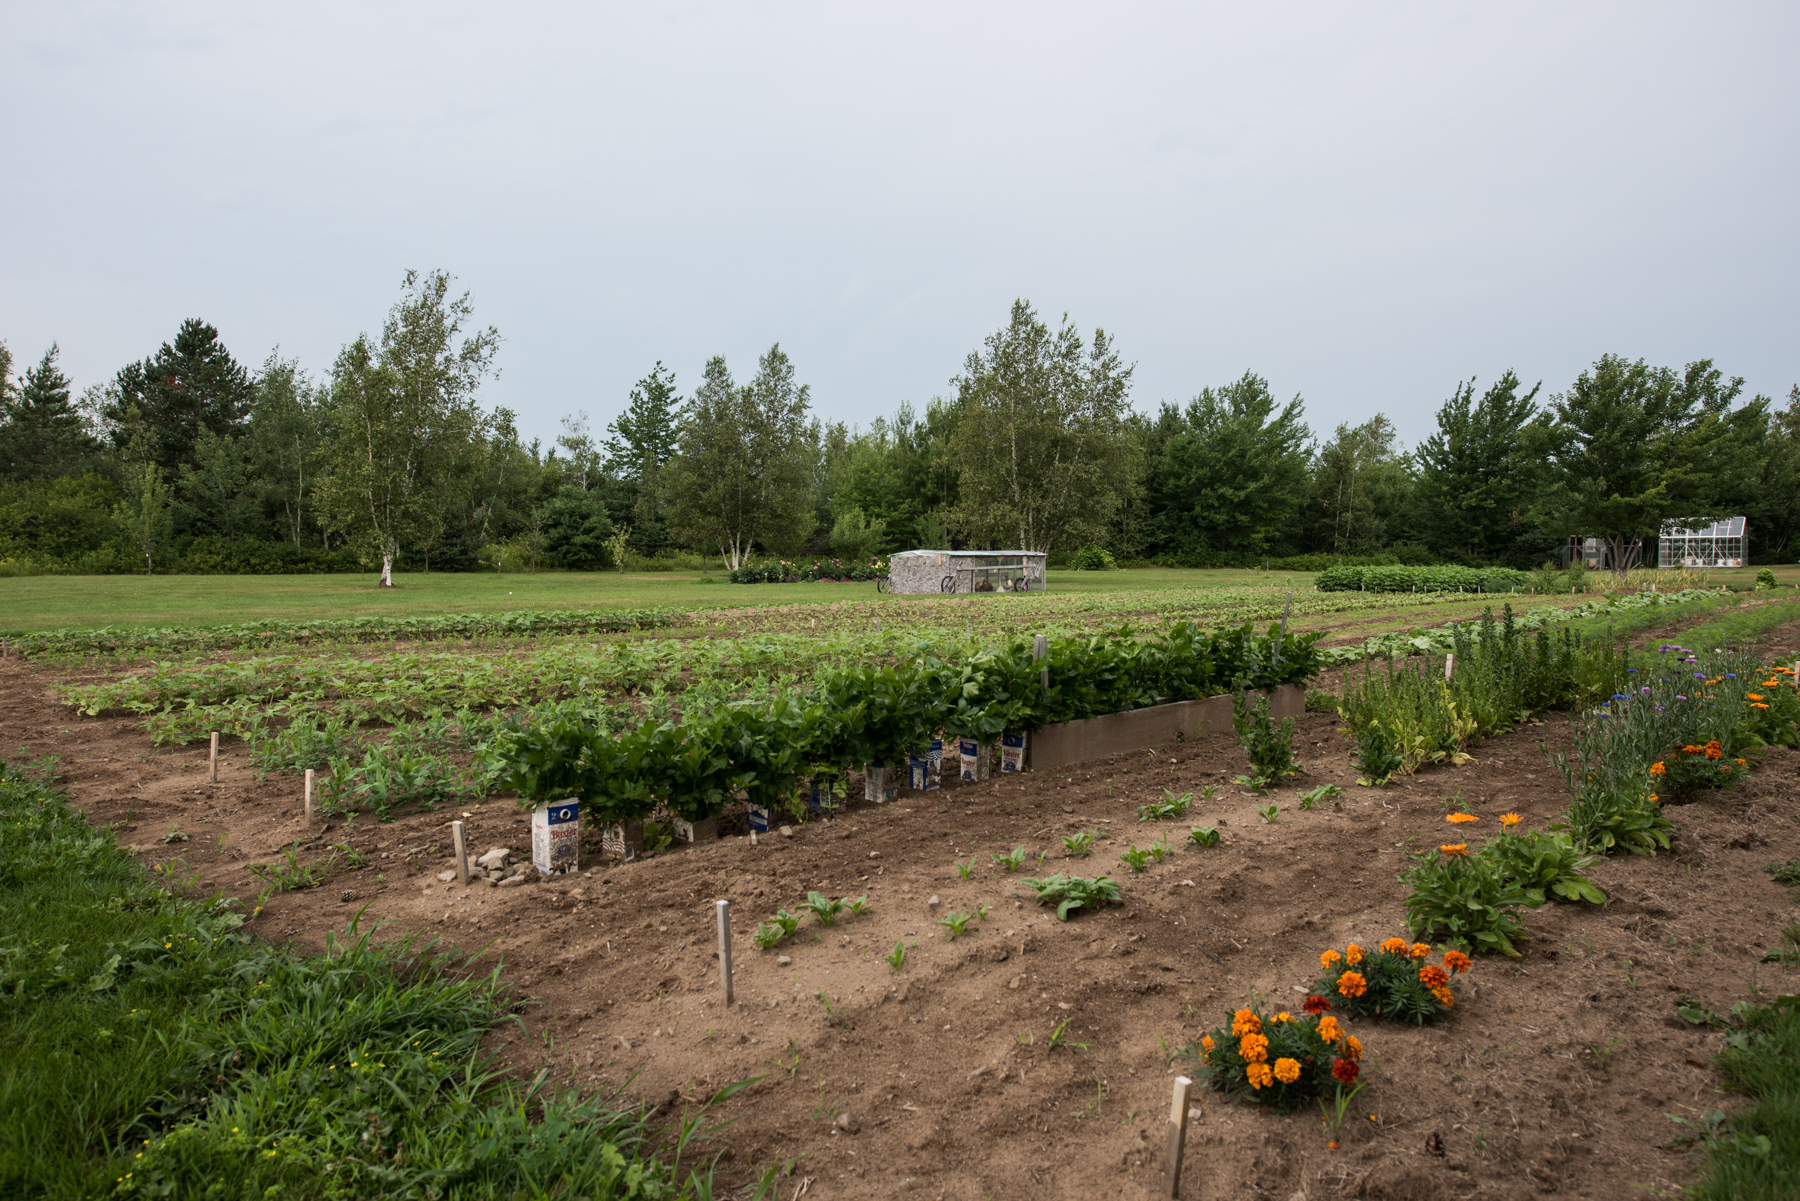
(967, 571)
(1722, 544)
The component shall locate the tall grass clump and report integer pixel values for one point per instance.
(152, 1047)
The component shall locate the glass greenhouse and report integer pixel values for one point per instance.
(1721, 544)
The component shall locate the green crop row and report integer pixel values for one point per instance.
(1422, 579)
(876, 715)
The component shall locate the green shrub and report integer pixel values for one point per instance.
(1281, 1061)
(1268, 744)
(1092, 558)
(1422, 579)
(1765, 579)
(1464, 900)
(1393, 981)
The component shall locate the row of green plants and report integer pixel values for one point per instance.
(155, 1049)
(876, 715)
(1422, 579)
(813, 571)
(107, 640)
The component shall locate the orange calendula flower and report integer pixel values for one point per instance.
(1433, 976)
(1420, 949)
(1329, 1030)
(1328, 958)
(1454, 849)
(1353, 1049)
(1657, 769)
(1254, 1048)
(1259, 1075)
(1758, 705)
(1353, 954)
(1287, 1070)
(1244, 1022)
(1509, 820)
(1754, 696)
(1394, 946)
(1352, 984)
(1461, 817)
(1456, 961)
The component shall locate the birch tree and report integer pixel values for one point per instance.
(741, 476)
(402, 413)
(1040, 448)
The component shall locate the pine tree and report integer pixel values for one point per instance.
(187, 386)
(42, 434)
(1480, 470)
(644, 436)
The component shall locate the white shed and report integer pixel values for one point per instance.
(965, 571)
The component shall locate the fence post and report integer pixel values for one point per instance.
(309, 796)
(1178, 1120)
(1449, 665)
(1040, 649)
(213, 757)
(462, 852)
(1282, 637)
(724, 911)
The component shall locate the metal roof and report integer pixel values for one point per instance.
(982, 554)
(1731, 527)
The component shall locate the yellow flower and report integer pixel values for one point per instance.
(1420, 950)
(1329, 1030)
(1509, 820)
(1353, 1049)
(1394, 946)
(1254, 1048)
(1657, 769)
(1207, 1042)
(1328, 958)
(1445, 997)
(1283, 1016)
(1454, 849)
(1287, 1070)
(1245, 1022)
(1352, 984)
(1461, 817)
(1259, 1075)
(1353, 954)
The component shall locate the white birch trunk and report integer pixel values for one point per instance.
(387, 569)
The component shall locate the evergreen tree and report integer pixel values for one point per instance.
(189, 385)
(42, 434)
(1480, 471)
(642, 441)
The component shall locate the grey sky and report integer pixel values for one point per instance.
(1364, 203)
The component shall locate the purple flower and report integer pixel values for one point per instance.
(1699, 675)
(1645, 690)
(1679, 697)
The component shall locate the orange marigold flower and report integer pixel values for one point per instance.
(1254, 1048)
(1207, 1042)
(1345, 1071)
(1742, 763)
(1459, 818)
(1329, 1030)
(1353, 954)
(1420, 950)
(1456, 961)
(1284, 1016)
(1353, 1049)
(1328, 958)
(1287, 1070)
(1454, 849)
(1657, 769)
(1351, 984)
(1394, 946)
(1434, 976)
(1245, 1022)
(1445, 997)
(1714, 751)
(1315, 1005)
(1259, 1075)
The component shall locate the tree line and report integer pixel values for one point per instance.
(187, 460)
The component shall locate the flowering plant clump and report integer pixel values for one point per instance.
(1698, 765)
(1284, 1061)
(1772, 709)
(1393, 981)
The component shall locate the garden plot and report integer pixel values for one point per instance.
(1031, 1057)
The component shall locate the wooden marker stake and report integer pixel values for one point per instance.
(462, 852)
(215, 756)
(1178, 1119)
(1449, 665)
(724, 910)
(309, 796)
(1040, 648)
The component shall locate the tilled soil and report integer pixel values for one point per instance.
(1552, 1077)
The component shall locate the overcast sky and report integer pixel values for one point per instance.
(1362, 203)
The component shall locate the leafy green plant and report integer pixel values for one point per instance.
(1319, 701)
(1546, 864)
(1394, 981)
(290, 875)
(824, 910)
(896, 958)
(1204, 836)
(1269, 812)
(954, 922)
(1069, 893)
(1059, 1037)
(1283, 1062)
(174, 835)
(1161, 848)
(1464, 900)
(1012, 860)
(1377, 758)
(767, 935)
(1314, 796)
(858, 907)
(1171, 806)
(1137, 860)
(1268, 744)
(965, 870)
(1787, 872)
(1079, 846)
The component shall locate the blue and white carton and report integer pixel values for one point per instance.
(927, 770)
(1012, 752)
(556, 837)
(974, 757)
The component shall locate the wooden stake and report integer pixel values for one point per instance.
(462, 852)
(1178, 1120)
(1449, 665)
(215, 756)
(1040, 649)
(724, 911)
(309, 796)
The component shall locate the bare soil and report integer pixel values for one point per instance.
(1552, 1077)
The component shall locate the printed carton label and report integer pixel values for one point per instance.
(1012, 752)
(556, 837)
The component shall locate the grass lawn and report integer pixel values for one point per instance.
(54, 602)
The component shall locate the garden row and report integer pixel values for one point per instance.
(1422, 579)
(835, 571)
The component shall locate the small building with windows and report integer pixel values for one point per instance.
(967, 571)
(1722, 544)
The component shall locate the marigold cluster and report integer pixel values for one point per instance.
(1433, 976)
(1352, 984)
(1455, 849)
(1394, 946)
(1259, 1075)
(1353, 1049)
(1445, 997)
(1284, 1016)
(1456, 961)
(1287, 1070)
(1353, 954)
(1207, 1043)
(1420, 949)
(1657, 769)
(1315, 1005)
(1254, 1048)
(1244, 1022)
(1345, 1071)
(1329, 1030)
(1327, 958)
(1509, 820)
